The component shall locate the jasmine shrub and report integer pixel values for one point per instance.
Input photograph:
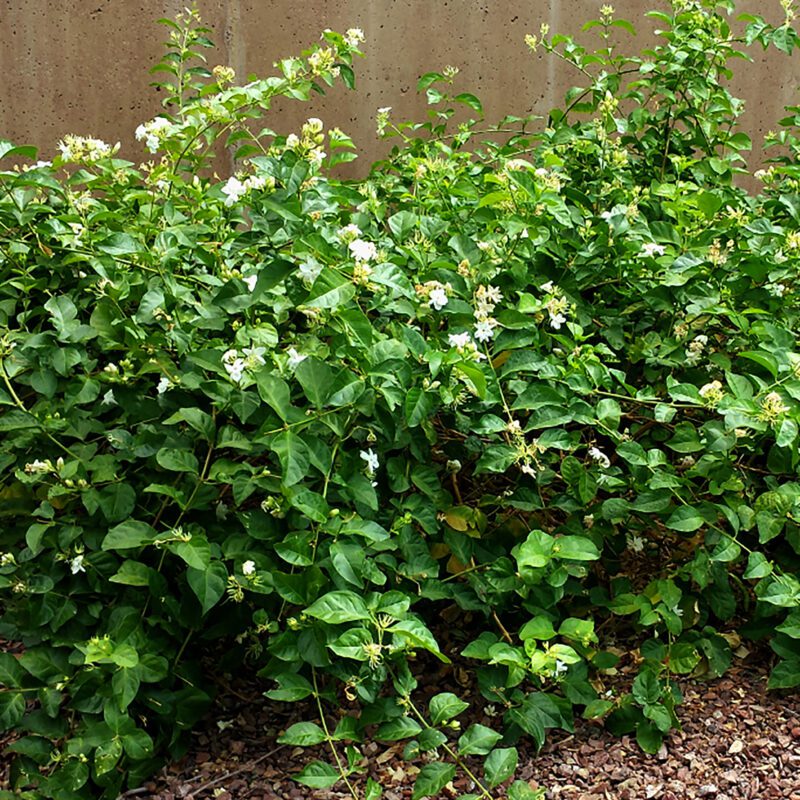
(539, 377)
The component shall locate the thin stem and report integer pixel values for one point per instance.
(329, 739)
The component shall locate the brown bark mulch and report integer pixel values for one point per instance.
(738, 742)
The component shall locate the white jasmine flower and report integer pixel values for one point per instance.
(42, 165)
(651, 249)
(548, 287)
(164, 385)
(459, 340)
(354, 36)
(310, 269)
(235, 369)
(371, 459)
(557, 320)
(560, 668)
(363, 250)
(38, 466)
(484, 330)
(292, 141)
(251, 281)
(76, 565)
(234, 189)
(437, 298)
(109, 399)
(634, 543)
(599, 457)
(295, 358)
(255, 182)
(254, 356)
(776, 289)
(249, 568)
(316, 157)
(349, 232)
(153, 132)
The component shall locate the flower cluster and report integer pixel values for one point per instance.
(234, 188)
(362, 250)
(153, 133)
(773, 407)
(486, 298)
(353, 37)
(309, 144)
(465, 346)
(39, 467)
(235, 364)
(84, 149)
(556, 305)
(436, 294)
(694, 351)
(712, 393)
(382, 119)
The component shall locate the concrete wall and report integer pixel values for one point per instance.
(81, 66)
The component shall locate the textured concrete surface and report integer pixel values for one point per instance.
(81, 66)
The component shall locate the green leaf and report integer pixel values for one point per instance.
(303, 734)
(12, 707)
(316, 378)
(536, 551)
(417, 634)
(128, 535)
(337, 607)
(293, 455)
(291, 688)
(685, 519)
(649, 737)
(432, 779)
(445, 706)
(418, 406)
(575, 548)
(478, 740)
(208, 584)
(117, 501)
(132, 573)
(397, 729)
(125, 686)
(785, 675)
(107, 755)
(500, 765)
(727, 549)
(520, 790)
(757, 566)
(275, 393)
(317, 775)
(683, 658)
(330, 290)
(177, 460)
(11, 672)
(137, 745)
